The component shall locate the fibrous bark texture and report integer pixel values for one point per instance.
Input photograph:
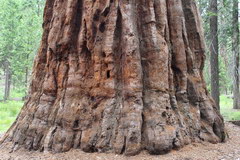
(118, 76)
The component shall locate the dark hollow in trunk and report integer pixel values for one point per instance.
(118, 76)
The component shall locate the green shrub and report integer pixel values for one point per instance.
(8, 113)
(227, 111)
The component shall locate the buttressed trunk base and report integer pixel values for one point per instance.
(118, 76)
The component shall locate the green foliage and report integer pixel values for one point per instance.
(225, 44)
(20, 33)
(8, 113)
(18, 92)
(227, 112)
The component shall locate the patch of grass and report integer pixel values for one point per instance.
(227, 111)
(8, 113)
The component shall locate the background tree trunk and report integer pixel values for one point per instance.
(7, 81)
(235, 50)
(26, 77)
(214, 52)
(118, 76)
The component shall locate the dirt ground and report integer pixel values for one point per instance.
(205, 151)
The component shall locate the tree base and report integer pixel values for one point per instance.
(112, 130)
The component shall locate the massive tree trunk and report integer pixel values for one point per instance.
(235, 50)
(118, 76)
(214, 52)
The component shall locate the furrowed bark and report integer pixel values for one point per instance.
(118, 76)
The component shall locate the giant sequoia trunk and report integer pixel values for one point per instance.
(118, 76)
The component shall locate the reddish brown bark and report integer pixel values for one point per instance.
(118, 76)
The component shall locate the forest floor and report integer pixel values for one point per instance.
(204, 151)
